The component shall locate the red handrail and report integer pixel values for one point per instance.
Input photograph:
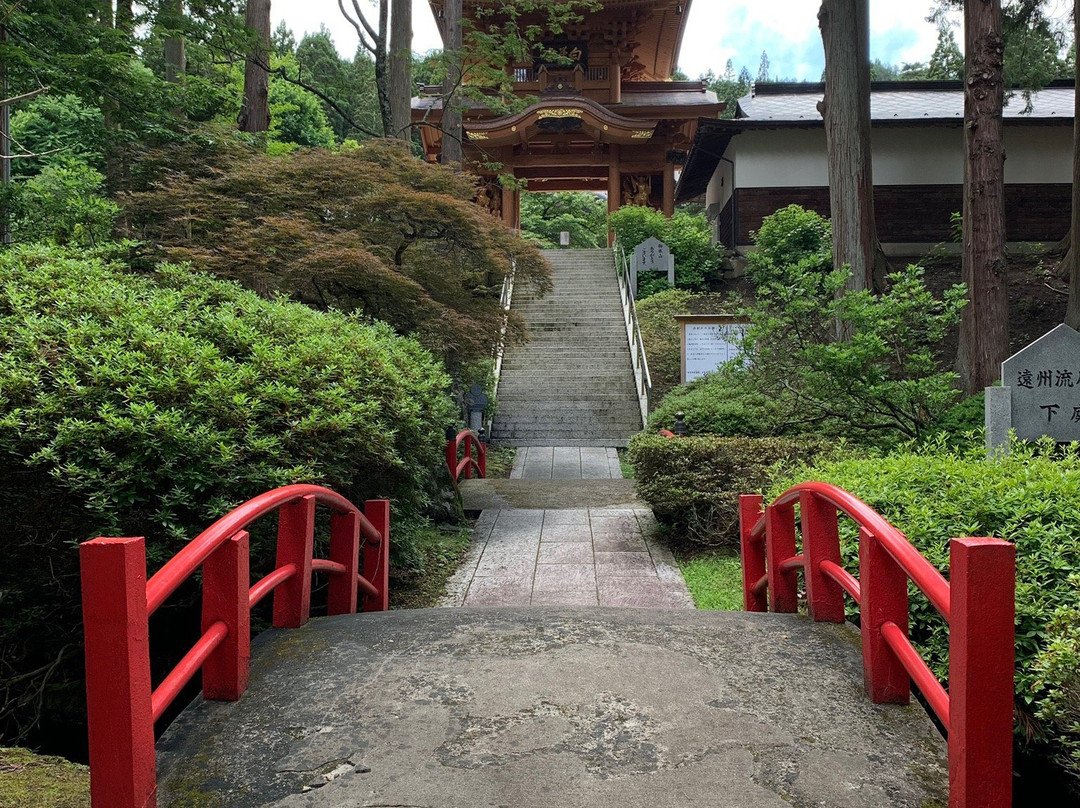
(465, 467)
(977, 603)
(122, 705)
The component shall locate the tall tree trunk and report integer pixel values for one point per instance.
(401, 68)
(1072, 257)
(452, 133)
(175, 55)
(984, 324)
(125, 17)
(382, 72)
(845, 33)
(255, 108)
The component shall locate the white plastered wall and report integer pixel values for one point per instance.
(930, 155)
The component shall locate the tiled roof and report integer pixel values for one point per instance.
(910, 101)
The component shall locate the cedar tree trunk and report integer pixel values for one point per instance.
(984, 324)
(255, 107)
(1072, 258)
(175, 56)
(845, 33)
(452, 134)
(401, 68)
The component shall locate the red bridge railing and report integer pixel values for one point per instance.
(466, 445)
(122, 705)
(977, 603)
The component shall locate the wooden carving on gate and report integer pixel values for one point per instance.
(489, 196)
(636, 189)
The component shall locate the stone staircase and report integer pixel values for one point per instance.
(572, 384)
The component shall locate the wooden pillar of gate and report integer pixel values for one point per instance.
(614, 185)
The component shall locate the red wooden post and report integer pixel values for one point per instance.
(377, 556)
(883, 586)
(482, 450)
(982, 590)
(779, 547)
(753, 553)
(122, 763)
(451, 456)
(225, 598)
(344, 550)
(821, 542)
(296, 542)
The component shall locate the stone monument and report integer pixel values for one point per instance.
(651, 255)
(1039, 393)
(476, 402)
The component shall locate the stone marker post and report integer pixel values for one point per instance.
(651, 255)
(1039, 393)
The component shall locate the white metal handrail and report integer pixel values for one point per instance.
(642, 379)
(505, 300)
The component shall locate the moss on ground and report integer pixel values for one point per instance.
(422, 588)
(500, 460)
(28, 780)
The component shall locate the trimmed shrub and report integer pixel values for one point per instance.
(151, 405)
(723, 403)
(1031, 498)
(789, 237)
(693, 483)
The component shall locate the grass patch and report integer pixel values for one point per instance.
(624, 464)
(714, 581)
(422, 588)
(38, 781)
(500, 460)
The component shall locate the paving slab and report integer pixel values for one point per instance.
(492, 494)
(554, 708)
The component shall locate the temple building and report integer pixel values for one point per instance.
(604, 115)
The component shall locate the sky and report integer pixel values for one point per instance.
(717, 30)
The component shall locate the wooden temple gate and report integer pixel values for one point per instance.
(605, 116)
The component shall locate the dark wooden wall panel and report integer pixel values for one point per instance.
(920, 214)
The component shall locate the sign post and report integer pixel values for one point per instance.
(709, 341)
(651, 255)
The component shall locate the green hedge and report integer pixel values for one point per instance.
(725, 403)
(1031, 498)
(693, 483)
(150, 405)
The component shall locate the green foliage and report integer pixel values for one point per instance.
(660, 334)
(693, 483)
(296, 116)
(855, 363)
(63, 204)
(697, 259)
(729, 87)
(793, 236)
(1057, 675)
(962, 423)
(369, 230)
(582, 215)
(725, 403)
(62, 129)
(151, 404)
(1031, 498)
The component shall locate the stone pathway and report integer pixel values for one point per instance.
(566, 463)
(577, 556)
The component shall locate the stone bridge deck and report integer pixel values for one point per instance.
(463, 708)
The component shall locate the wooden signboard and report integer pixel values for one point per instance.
(708, 341)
